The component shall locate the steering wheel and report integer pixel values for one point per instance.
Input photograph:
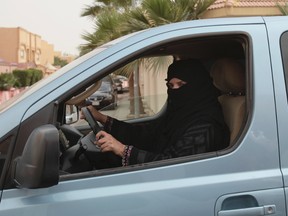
(91, 121)
(94, 158)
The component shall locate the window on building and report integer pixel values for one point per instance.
(22, 54)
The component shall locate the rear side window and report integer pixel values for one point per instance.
(284, 47)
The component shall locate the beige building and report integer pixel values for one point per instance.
(67, 57)
(25, 49)
(7, 67)
(236, 8)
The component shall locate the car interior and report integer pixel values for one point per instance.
(225, 57)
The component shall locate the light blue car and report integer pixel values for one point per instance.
(48, 165)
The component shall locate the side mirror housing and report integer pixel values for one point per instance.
(38, 166)
(71, 114)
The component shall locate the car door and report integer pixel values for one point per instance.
(278, 39)
(243, 180)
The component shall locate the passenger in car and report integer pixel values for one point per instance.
(193, 122)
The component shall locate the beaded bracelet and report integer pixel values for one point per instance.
(126, 155)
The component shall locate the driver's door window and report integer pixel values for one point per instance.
(136, 94)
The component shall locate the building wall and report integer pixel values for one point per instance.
(236, 8)
(6, 67)
(18, 45)
(237, 12)
(9, 44)
(47, 54)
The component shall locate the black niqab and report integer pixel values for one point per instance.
(198, 91)
(192, 104)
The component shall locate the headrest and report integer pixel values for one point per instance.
(228, 76)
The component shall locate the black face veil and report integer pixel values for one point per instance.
(192, 105)
(197, 92)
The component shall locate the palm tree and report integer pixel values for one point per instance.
(107, 16)
(106, 28)
(123, 19)
(153, 13)
(102, 6)
(283, 8)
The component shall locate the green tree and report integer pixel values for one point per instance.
(35, 75)
(59, 62)
(107, 28)
(153, 13)
(107, 16)
(27, 77)
(104, 6)
(113, 18)
(7, 81)
(23, 77)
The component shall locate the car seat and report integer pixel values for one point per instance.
(229, 77)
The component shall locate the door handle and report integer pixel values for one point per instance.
(254, 211)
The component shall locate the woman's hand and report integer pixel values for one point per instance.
(107, 143)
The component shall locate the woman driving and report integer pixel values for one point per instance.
(192, 124)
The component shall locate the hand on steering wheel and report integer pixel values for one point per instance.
(91, 121)
(107, 143)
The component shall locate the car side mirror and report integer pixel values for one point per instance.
(38, 167)
(71, 114)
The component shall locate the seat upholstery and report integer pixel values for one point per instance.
(229, 77)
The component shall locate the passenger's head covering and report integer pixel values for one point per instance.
(196, 92)
(190, 70)
(194, 103)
